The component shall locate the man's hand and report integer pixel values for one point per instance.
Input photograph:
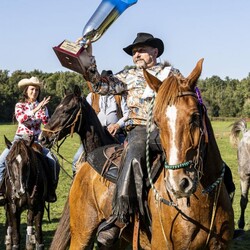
(112, 128)
(88, 45)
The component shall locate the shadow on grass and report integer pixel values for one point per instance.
(242, 241)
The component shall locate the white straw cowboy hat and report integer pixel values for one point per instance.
(33, 81)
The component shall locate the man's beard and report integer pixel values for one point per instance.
(141, 64)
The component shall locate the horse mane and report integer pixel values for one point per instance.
(167, 95)
(92, 122)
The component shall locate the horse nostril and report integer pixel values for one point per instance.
(184, 183)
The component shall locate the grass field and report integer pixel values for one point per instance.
(222, 131)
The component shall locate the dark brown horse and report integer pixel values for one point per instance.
(26, 186)
(74, 114)
(243, 155)
(188, 202)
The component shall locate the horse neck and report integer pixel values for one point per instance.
(213, 157)
(92, 133)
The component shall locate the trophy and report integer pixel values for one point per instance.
(74, 56)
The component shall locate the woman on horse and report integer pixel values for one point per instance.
(30, 114)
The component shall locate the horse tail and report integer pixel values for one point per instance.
(237, 127)
(61, 239)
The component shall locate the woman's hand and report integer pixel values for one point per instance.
(42, 104)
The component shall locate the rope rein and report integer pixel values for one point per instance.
(158, 197)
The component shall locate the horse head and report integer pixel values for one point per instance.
(75, 114)
(179, 116)
(65, 119)
(18, 165)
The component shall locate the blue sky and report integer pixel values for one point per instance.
(217, 30)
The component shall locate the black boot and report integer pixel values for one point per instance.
(51, 193)
(52, 181)
(109, 231)
(51, 197)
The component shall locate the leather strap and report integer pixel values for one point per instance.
(136, 232)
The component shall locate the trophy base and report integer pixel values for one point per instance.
(71, 56)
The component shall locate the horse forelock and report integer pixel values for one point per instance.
(19, 149)
(167, 95)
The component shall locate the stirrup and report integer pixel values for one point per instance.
(107, 224)
(109, 237)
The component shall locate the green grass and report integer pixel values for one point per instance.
(222, 131)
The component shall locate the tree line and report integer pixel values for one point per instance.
(223, 98)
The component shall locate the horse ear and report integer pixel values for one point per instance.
(195, 74)
(153, 82)
(7, 142)
(77, 91)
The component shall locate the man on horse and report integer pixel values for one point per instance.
(129, 194)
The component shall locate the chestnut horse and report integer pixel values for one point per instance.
(243, 155)
(188, 202)
(26, 187)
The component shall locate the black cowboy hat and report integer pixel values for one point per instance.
(147, 39)
(106, 73)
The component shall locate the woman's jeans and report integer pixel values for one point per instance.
(76, 157)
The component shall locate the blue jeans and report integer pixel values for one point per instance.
(53, 163)
(76, 157)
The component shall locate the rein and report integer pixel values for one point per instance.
(158, 197)
(183, 164)
(78, 116)
(216, 184)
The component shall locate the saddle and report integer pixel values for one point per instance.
(106, 161)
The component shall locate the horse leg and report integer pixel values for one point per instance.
(38, 226)
(15, 218)
(83, 226)
(83, 204)
(30, 237)
(245, 184)
(8, 240)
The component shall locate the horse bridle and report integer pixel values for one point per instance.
(203, 134)
(201, 149)
(199, 156)
(78, 115)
